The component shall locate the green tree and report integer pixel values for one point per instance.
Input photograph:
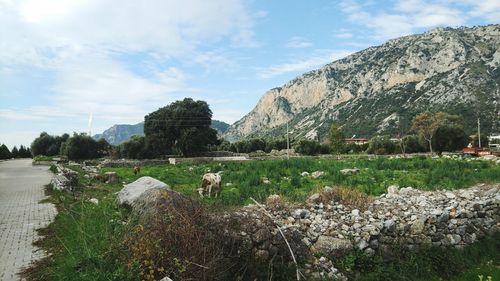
(337, 139)
(182, 125)
(484, 140)
(15, 152)
(381, 145)
(308, 147)
(194, 141)
(44, 145)
(412, 144)
(134, 148)
(427, 123)
(450, 138)
(104, 148)
(80, 146)
(4, 152)
(23, 152)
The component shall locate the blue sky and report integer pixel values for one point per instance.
(61, 60)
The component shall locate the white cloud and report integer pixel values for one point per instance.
(408, 16)
(486, 9)
(321, 57)
(78, 42)
(344, 35)
(298, 42)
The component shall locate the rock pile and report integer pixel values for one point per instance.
(403, 216)
(64, 179)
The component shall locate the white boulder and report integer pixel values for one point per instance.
(132, 191)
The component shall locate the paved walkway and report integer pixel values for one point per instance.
(21, 189)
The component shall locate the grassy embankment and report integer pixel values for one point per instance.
(87, 240)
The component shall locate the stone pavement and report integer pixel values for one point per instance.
(21, 189)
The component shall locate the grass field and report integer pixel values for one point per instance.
(285, 176)
(87, 240)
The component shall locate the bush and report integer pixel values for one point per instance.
(181, 240)
(134, 148)
(381, 145)
(308, 147)
(413, 144)
(355, 148)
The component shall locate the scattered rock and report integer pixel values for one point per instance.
(317, 174)
(111, 177)
(393, 190)
(304, 174)
(94, 201)
(348, 172)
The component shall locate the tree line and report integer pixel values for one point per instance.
(183, 128)
(21, 152)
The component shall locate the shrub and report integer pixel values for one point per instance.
(180, 240)
(134, 148)
(308, 147)
(381, 145)
(347, 196)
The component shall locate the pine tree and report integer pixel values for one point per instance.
(4, 152)
(14, 153)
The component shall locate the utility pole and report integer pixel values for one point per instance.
(287, 143)
(479, 132)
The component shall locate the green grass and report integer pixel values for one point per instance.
(431, 264)
(87, 240)
(375, 176)
(43, 158)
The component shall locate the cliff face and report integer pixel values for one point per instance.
(379, 90)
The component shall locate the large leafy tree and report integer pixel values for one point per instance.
(183, 125)
(450, 138)
(44, 145)
(427, 125)
(80, 146)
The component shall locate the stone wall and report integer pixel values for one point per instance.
(115, 163)
(403, 216)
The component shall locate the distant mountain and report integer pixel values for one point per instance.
(121, 133)
(379, 89)
(220, 126)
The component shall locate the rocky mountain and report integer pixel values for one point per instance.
(380, 89)
(121, 133)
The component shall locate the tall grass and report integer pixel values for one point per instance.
(285, 179)
(87, 240)
(480, 258)
(83, 239)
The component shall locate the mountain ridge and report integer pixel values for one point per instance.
(120, 133)
(380, 89)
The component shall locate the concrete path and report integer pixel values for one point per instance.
(21, 189)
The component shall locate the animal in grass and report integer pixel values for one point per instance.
(210, 182)
(137, 170)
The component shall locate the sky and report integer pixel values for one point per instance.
(64, 60)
